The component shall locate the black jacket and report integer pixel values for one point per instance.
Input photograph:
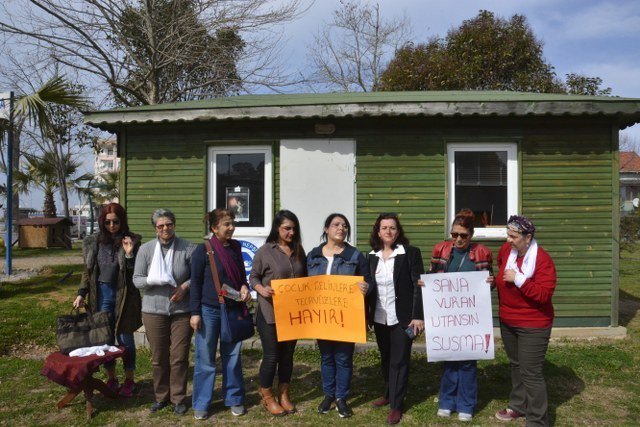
(407, 269)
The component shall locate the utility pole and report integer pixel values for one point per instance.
(9, 212)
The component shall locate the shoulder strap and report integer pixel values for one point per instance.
(214, 270)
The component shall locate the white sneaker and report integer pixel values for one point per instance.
(463, 416)
(444, 413)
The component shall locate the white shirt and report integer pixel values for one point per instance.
(329, 264)
(386, 306)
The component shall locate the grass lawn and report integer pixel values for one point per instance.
(589, 383)
(76, 249)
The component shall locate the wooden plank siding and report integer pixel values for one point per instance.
(165, 169)
(566, 188)
(567, 191)
(568, 184)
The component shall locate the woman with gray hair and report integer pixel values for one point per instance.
(526, 282)
(162, 271)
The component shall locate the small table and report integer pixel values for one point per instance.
(76, 374)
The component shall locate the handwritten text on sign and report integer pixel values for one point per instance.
(326, 307)
(457, 316)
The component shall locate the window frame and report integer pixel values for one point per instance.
(513, 189)
(268, 184)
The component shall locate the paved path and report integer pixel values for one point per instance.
(23, 268)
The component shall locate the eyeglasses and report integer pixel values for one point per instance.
(167, 225)
(461, 235)
(111, 222)
(343, 226)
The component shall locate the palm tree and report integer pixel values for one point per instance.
(40, 172)
(108, 187)
(34, 109)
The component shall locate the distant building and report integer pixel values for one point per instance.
(107, 157)
(629, 181)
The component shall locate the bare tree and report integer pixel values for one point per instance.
(350, 52)
(155, 51)
(628, 142)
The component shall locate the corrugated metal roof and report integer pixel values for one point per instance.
(372, 104)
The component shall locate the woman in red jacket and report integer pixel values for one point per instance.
(526, 282)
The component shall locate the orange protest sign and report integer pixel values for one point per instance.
(325, 307)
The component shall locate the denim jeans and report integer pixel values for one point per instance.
(459, 386)
(107, 302)
(336, 367)
(204, 371)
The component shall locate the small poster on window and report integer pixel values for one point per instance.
(238, 202)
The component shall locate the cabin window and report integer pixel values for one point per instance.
(484, 178)
(240, 180)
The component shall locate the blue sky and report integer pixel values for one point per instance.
(596, 38)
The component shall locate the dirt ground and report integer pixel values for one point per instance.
(23, 268)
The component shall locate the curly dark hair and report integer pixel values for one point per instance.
(374, 239)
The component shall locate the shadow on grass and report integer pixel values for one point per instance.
(629, 307)
(40, 284)
(495, 385)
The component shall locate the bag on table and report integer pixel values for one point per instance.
(236, 323)
(76, 330)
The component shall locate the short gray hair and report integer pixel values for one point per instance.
(160, 213)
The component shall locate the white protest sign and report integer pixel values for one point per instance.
(457, 316)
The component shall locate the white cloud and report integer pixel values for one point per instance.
(601, 20)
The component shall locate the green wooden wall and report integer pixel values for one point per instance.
(567, 188)
(568, 180)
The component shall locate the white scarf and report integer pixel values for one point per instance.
(528, 263)
(160, 270)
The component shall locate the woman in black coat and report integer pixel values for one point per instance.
(394, 307)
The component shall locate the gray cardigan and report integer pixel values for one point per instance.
(157, 299)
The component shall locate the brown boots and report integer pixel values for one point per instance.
(286, 404)
(269, 402)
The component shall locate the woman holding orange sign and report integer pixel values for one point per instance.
(281, 257)
(336, 256)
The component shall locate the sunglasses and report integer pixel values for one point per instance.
(111, 222)
(161, 226)
(461, 235)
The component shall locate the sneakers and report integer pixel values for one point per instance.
(343, 409)
(383, 401)
(180, 409)
(508, 415)
(463, 416)
(127, 389)
(158, 406)
(325, 405)
(200, 415)
(238, 411)
(444, 413)
(113, 385)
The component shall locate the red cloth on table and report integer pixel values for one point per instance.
(72, 371)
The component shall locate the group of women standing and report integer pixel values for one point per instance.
(180, 298)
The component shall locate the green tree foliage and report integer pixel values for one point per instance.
(578, 84)
(484, 53)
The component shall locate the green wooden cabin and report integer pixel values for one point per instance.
(424, 155)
